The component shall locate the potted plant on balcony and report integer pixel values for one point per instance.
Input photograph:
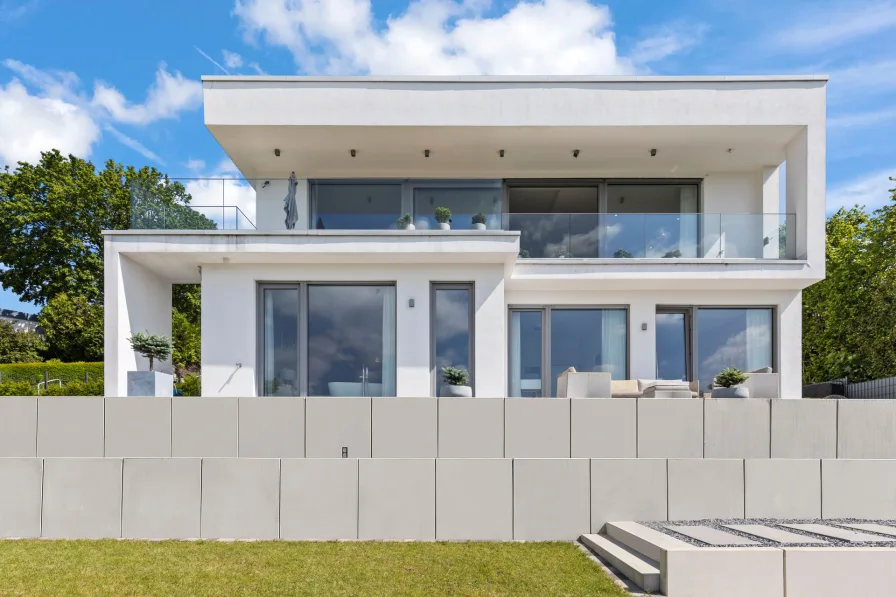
(622, 254)
(672, 254)
(479, 221)
(561, 252)
(456, 380)
(150, 383)
(405, 223)
(728, 384)
(443, 217)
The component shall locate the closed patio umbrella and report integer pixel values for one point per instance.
(289, 203)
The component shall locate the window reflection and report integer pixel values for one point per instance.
(739, 338)
(452, 328)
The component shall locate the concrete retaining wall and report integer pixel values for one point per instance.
(446, 428)
(419, 498)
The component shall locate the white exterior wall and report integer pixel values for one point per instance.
(229, 320)
(269, 203)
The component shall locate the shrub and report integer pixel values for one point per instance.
(479, 218)
(76, 388)
(455, 376)
(729, 377)
(403, 222)
(442, 215)
(16, 388)
(152, 346)
(73, 327)
(33, 373)
(190, 386)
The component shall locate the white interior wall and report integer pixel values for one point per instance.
(136, 300)
(229, 317)
(269, 204)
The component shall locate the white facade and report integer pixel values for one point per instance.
(728, 138)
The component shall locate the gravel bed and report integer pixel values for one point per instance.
(717, 523)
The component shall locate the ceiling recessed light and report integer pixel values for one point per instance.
(277, 152)
(501, 153)
(653, 153)
(353, 152)
(575, 153)
(426, 153)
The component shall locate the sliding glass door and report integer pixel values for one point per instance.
(527, 354)
(733, 337)
(452, 330)
(328, 340)
(673, 344)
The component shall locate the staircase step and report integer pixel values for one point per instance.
(639, 569)
(642, 539)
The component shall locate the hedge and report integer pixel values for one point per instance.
(33, 373)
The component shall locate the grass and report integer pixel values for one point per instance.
(175, 568)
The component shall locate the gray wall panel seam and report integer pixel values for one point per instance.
(40, 524)
(121, 502)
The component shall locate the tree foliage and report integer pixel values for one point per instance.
(849, 319)
(152, 346)
(73, 328)
(19, 347)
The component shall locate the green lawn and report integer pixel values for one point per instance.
(174, 568)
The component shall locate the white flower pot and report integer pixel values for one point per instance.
(443, 226)
(150, 383)
(408, 227)
(734, 392)
(449, 391)
(478, 226)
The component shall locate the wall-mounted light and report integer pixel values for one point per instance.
(575, 153)
(411, 303)
(353, 152)
(644, 326)
(501, 153)
(266, 183)
(653, 153)
(426, 153)
(277, 152)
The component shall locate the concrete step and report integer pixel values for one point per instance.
(639, 569)
(643, 540)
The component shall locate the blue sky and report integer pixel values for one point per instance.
(120, 80)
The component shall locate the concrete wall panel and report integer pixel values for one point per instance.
(814, 571)
(604, 428)
(272, 427)
(471, 427)
(404, 428)
(705, 488)
(866, 429)
(331, 424)
(396, 499)
(319, 498)
(724, 572)
(138, 427)
(550, 499)
(736, 428)
(204, 427)
(18, 427)
(82, 498)
(70, 426)
(474, 499)
(161, 498)
(782, 488)
(20, 490)
(536, 428)
(804, 429)
(627, 489)
(240, 498)
(670, 428)
(858, 489)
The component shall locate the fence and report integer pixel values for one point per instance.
(875, 389)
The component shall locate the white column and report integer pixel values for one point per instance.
(491, 335)
(413, 335)
(229, 316)
(770, 205)
(136, 300)
(790, 345)
(805, 187)
(642, 343)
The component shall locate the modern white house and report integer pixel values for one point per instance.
(646, 227)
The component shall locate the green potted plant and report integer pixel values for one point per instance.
(479, 221)
(622, 254)
(672, 254)
(561, 252)
(154, 347)
(727, 384)
(443, 217)
(455, 380)
(405, 223)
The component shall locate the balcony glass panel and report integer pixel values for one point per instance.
(355, 206)
(464, 203)
(161, 203)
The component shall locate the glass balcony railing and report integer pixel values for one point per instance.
(161, 203)
(654, 236)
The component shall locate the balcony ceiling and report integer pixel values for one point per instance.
(472, 152)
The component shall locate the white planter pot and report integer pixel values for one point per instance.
(449, 391)
(478, 226)
(408, 227)
(735, 392)
(443, 225)
(150, 383)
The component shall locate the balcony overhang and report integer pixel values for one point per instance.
(178, 255)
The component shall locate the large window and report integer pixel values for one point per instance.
(327, 340)
(732, 337)
(673, 344)
(452, 330)
(463, 202)
(587, 338)
(355, 206)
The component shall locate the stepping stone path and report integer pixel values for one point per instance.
(710, 535)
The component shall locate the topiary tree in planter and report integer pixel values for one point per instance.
(443, 217)
(479, 221)
(152, 346)
(456, 380)
(404, 222)
(728, 384)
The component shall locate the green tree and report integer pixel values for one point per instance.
(152, 346)
(52, 215)
(19, 347)
(73, 327)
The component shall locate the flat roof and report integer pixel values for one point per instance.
(515, 79)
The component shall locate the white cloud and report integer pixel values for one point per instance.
(667, 41)
(862, 79)
(870, 190)
(232, 59)
(222, 195)
(862, 119)
(135, 145)
(212, 60)
(825, 26)
(169, 95)
(30, 124)
(448, 37)
(194, 164)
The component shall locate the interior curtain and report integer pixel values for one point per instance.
(268, 340)
(688, 229)
(388, 341)
(516, 369)
(613, 348)
(759, 338)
